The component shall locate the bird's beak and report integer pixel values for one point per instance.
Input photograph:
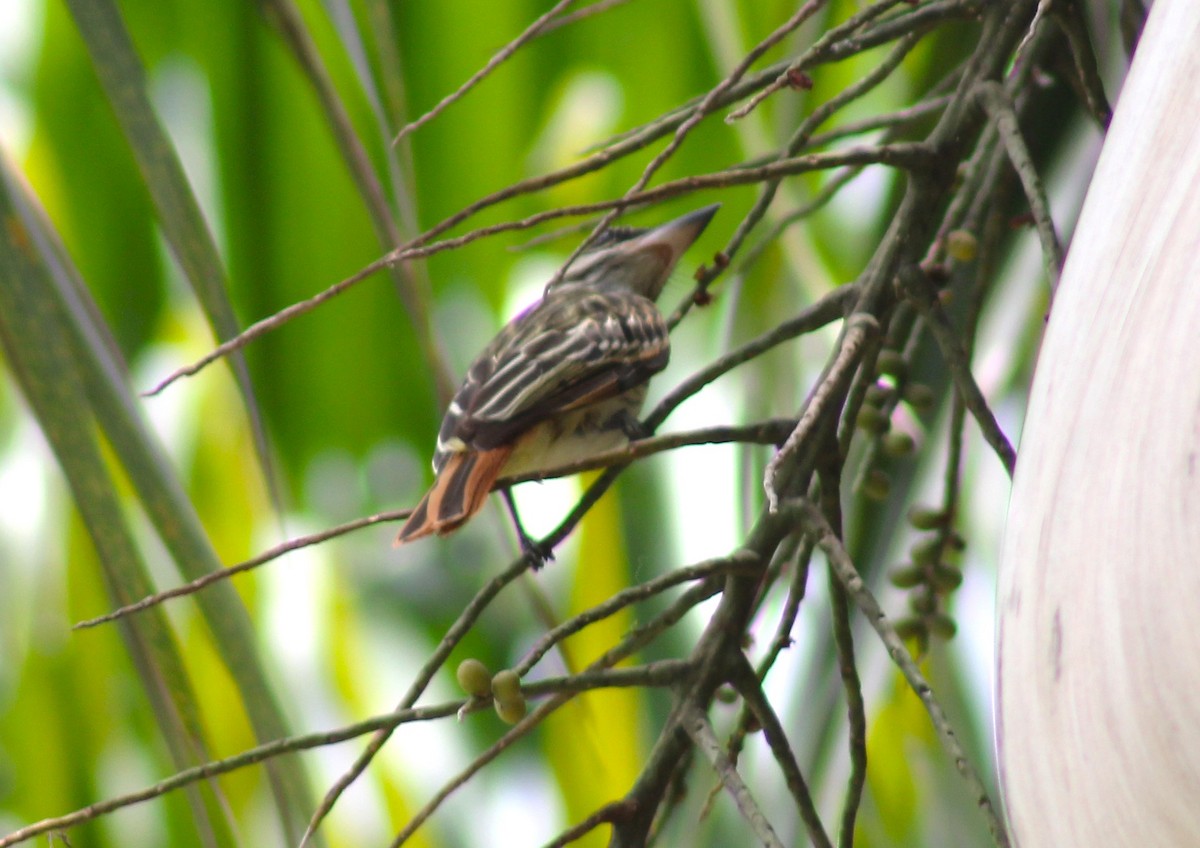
(657, 250)
(675, 236)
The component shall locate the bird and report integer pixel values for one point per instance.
(562, 381)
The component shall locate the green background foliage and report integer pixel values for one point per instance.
(160, 194)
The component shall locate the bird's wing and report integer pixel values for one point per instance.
(570, 351)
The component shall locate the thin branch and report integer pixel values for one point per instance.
(800, 138)
(860, 328)
(853, 92)
(609, 813)
(791, 609)
(764, 432)
(829, 475)
(581, 14)
(796, 548)
(917, 287)
(501, 56)
(709, 102)
(746, 682)
(698, 728)
(897, 155)
(892, 122)
(267, 324)
(1070, 18)
(1000, 110)
(514, 734)
(887, 121)
(832, 307)
(788, 74)
(668, 671)
(454, 635)
(215, 768)
(660, 673)
(769, 432)
(627, 597)
(843, 566)
(279, 550)
(633, 642)
(838, 44)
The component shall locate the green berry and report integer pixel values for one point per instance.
(945, 577)
(923, 518)
(877, 394)
(510, 710)
(942, 626)
(926, 551)
(919, 396)
(474, 678)
(871, 419)
(876, 485)
(906, 576)
(896, 443)
(910, 628)
(891, 362)
(506, 685)
(962, 245)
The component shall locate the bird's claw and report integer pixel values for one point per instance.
(538, 553)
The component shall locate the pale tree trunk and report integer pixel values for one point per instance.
(1098, 694)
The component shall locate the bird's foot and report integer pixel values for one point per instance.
(538, 553)
(633, 429)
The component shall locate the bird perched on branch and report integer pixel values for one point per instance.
(564, 380)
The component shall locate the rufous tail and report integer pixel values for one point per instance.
(460, 491)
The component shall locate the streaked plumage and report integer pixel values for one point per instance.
(563, 380)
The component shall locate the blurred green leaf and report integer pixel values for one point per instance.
(121, 75)
(42, 354)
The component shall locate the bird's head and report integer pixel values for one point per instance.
(635, 259)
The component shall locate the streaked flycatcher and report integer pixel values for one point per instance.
(564, 380)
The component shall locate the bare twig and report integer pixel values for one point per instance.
(607, 814)
(669, 672)
(897, 155)
(764, 432)
(266, 556)
(788, 75)
(843, 566)
(625, 598)
(501, 56)
(661, 673)
(860, 328)
(580, 14)
(698, 113)
(1070, 17)
(517, 732)
(1000, 110)
(453, 636)
(917, 287)
(413, 288)
(698, 728)
(828, 309)
(761, 433)
(829, 477)
(746, 682)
